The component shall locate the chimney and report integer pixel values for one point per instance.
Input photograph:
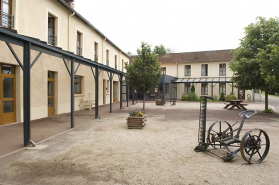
(70, 3)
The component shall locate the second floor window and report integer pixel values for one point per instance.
(107, 57)
(222, 69)
(204, 69)
(115, 62)
(122, 64)
(187, 70)
(204, 89)
(96, 52)
(79, 46)
(52, 38)
(78, 84)
(6, 19)
(164, 70)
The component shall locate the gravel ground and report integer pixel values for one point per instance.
(105, 152)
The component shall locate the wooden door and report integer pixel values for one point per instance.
(7, 94)
(50, 93)
(114, 91)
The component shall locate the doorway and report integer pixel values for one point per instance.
(115, 92)
(7, 94)
(50, 93)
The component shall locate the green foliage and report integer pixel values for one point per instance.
(190, 97)
(193, 88)
(144, 72)
(230, 97)
(183, 97)
(162, 50)
(269, 110)
(222, 97)
(258, 38)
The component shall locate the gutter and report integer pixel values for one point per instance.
(89, 24)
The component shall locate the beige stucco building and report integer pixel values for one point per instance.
(207, 70)
(58, 24)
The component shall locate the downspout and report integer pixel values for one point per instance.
(119, 62)
(103, 49)
(69, 29)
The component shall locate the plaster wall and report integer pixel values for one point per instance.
(31, 19)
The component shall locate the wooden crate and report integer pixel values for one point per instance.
(136, 122)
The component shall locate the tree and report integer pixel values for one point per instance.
(246, 67)
(144, 72)
(162, 50)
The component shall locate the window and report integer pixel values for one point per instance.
(187, 70)
(95, 51)
(78, 84)
(107, 57)
(6, 19)
(52, 38)
(164, 70)
(204, 89)
(115, 62)
(222, 88)
(79, 44)
(204, 70)
(122, 64)
(187, 89)
(222, 69)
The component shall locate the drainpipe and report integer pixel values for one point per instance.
(69, 30)
(103, 49)
(119, 62)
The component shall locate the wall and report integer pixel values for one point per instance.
(31, 19)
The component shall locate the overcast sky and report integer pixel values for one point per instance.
(182, 25)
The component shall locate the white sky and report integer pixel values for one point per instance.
(182, 25)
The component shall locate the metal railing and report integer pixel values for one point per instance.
(79, 50)
(6, 20)
(52, 40)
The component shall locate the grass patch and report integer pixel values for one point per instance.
(269, 110)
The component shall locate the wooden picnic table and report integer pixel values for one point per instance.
(235, 103)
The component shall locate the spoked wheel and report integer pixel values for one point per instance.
(218, 131)
(254, 146)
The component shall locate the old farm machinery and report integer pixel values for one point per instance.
(253, 146)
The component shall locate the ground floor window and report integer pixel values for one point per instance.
(187, 89)
(204, 89)
(78, 84)
(222, 88)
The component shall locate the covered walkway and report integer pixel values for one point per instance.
(11, 135)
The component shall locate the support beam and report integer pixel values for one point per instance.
(67, 67)
(14, 54)
(38, 56)
(232, 87)
(26, 93)
(127, 94)
(133, 96)
(72, 93)
(97, 92)
(121, 89)
(110, 92)
(212, 90)
(77, 69)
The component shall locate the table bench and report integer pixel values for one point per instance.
(235, 103)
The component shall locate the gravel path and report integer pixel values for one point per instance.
(105, 152)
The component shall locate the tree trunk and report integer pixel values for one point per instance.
(266, 99)
(143, 100)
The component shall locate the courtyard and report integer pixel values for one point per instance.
(104, 151)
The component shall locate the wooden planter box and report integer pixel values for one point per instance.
(160, 102)
(136, 122)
